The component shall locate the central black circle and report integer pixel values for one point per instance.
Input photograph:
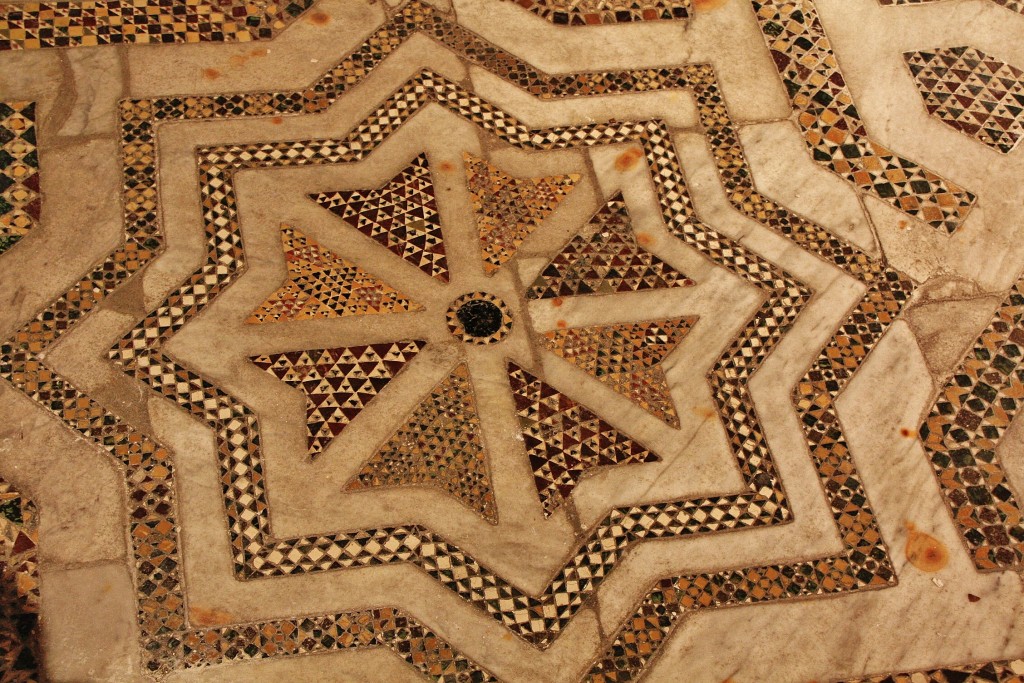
(479, 318)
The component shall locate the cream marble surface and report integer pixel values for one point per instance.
(928, 613)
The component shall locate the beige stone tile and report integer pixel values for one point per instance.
(88, 624)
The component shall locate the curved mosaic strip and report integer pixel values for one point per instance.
(1015, 5)
(150, 472)
(479, 318)
(833, 127)
(78, 23)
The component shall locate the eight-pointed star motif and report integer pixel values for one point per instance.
(442, 444)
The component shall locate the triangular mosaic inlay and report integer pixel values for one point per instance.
(439, 445)
(627, 357)
(605, 258)
(402, 216)
(565, 440)
(338, 383)
(509, 209)
(321, 284)
(973, 93)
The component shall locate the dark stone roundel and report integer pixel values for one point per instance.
(479, 318)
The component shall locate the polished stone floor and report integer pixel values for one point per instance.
(511, 340)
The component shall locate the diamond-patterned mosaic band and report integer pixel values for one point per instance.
(833, 127)
(19, 172)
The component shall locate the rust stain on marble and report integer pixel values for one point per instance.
(628, 159)
(211, 74)
(924, 551)
(708, 4)
(320, 18)
(204, 616)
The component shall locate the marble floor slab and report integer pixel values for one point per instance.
(536, 341)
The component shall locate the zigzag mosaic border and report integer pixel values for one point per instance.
(150, 473)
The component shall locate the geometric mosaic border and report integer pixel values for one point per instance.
(591, 12)
(833, 128)
(34, 25)
(168, 639)
(19, 172)
(962, 433)
(1015, 5)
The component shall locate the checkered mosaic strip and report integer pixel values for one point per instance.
(833, 127)
(972, 92)
(605, 258)
(626, 357)
(19, 587)
(35, 25)
(440, 445)
(321, 284)
(509, 209)
(864, 564)
(402, 216)
(596, 12)
(19, 172)
(565, 440)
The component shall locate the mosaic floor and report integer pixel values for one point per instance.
(512, 340)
